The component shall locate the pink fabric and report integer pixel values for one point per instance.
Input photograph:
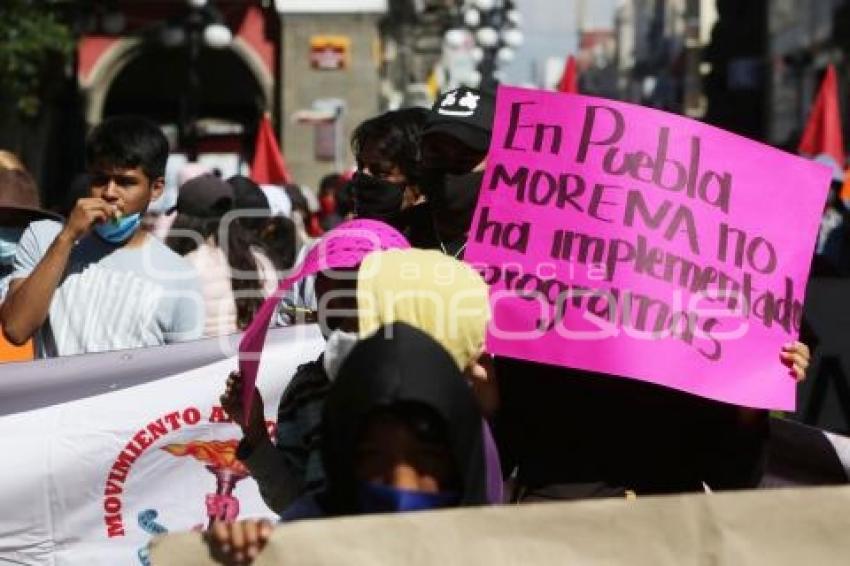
(343, 247)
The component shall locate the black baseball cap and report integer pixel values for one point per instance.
(465, 114)
(206, 196)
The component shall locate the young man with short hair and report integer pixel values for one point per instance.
(99, 282)
(387, 151)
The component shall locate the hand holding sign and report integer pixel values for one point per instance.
(796, 356)
(628, 241)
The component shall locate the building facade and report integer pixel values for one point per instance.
(750, 67)
(804, 37)
(659, 48)
(314, 66)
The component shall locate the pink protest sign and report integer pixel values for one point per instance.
(632, 242)
(343, 247)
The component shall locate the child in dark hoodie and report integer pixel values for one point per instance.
(401, 431)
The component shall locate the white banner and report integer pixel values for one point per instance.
(104, 451)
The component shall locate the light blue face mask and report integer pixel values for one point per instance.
(118, 232)
(9, 238)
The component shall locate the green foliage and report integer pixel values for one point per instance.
(32, 38)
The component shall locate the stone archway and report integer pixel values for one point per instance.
(125, 52)
(96, 86)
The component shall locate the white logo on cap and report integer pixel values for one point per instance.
(451, 106)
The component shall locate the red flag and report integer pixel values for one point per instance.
(822, 135)
(268, 167)
(569, 80)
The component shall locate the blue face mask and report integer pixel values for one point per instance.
(376, 498)
(120, 231)
(9, 238)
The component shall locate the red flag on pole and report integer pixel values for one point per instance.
(822, 135)
(569, 80)
(268, 167)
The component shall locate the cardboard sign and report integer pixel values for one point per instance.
(781, 527)
(637, 243)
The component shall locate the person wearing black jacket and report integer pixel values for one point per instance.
(401, 432)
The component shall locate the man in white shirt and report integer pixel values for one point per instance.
(99, 282)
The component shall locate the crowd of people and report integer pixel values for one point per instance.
(404, 409)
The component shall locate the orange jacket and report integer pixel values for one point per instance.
(11, 353)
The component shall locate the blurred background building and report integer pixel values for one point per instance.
(207, 70)
(660, 52)
(804, 37)
(750, 67)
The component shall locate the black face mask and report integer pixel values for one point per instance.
(453, 199)
(377, 199)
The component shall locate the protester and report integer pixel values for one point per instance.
(302, 296)
(278, 239)
(274, 234)
(300, 214)
(99, 283)
(159, 221)
(454, 149)
(328, 216)
(440, 296)
(252, 205)
(616, 436)
(345, 204)
(19, 206)
(235, 277)
(400, 432)
(299, 302)
(437, 294)
(292, 466)
(392, 372)
(388, 155)
(547, 406)
(384, 187)
(448, 300)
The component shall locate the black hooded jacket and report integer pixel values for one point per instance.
(575, 434)
(407, 368)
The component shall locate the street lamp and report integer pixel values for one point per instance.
(487, 38)
(494, 27)
(202, 27)
(218, 36)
